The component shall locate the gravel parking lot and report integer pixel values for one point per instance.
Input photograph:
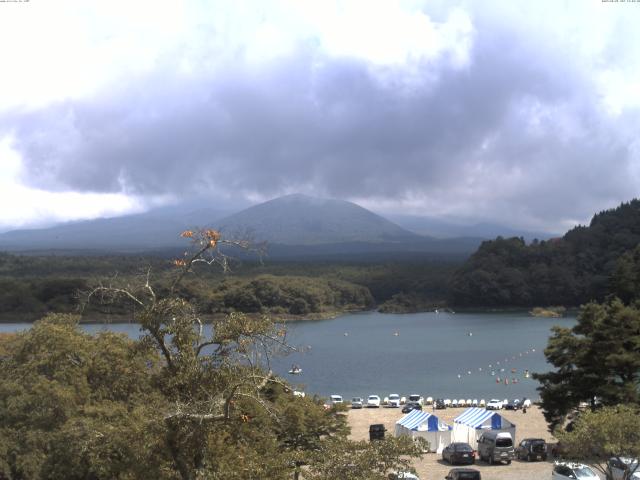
(431, 466)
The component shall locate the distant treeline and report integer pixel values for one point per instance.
(31, 286)
(588, 263)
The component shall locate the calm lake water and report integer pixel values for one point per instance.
(439, 355)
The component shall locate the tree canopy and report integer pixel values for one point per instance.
(186, 401)
(587, 264)
(597, 437)
(597, 361)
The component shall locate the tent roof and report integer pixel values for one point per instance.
(476, 417)
(415, 418)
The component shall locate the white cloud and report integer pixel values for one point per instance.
(24, 206)
(402, 104)
(71, 49)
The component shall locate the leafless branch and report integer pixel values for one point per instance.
(114, 291)
(149, 287)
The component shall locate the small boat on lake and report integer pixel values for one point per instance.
(295, 370)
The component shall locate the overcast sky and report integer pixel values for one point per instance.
(525, 113)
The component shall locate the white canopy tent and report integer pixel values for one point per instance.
(472, 422)
(425, 425)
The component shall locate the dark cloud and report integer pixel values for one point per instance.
(517, 135)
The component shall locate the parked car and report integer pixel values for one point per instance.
(394, 400)
(357, 402)
(532, 449)
(373, 401)
(416, 398)
(565, 470)
(463, 474)
(515, 405)
(494, 404)
(411, 406)
(496, 447)
(620, 465)
(440, 404)
(335, 399)
(459, 452)
(403, 476)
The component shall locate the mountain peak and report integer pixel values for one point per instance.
(299, 219)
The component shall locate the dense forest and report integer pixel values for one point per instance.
(31, 286)
(587, 263)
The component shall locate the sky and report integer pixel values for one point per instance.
(521, 113)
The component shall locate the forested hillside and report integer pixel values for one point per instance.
(31, 286)
(588, 263)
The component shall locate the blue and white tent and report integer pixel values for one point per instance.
(472, 422)
(423, 424)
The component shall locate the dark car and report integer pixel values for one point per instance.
(439, 404)
(459, 452)
(376, 431)
(532, 449)
(411, 406)
(463, 474)
(515, 405)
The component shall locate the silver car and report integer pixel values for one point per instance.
(573, 471)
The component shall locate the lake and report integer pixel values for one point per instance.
(434, 354)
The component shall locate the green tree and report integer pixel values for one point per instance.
(599, 358)
(626, 277)
(341, 458)
(74, 405)
(610, 432)
(186, 401)
(587, 263)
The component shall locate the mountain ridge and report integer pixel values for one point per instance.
(303, 220)
(315, 226)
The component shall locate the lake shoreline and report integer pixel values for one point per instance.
(94, 319)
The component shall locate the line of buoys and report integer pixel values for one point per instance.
(506, 381)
